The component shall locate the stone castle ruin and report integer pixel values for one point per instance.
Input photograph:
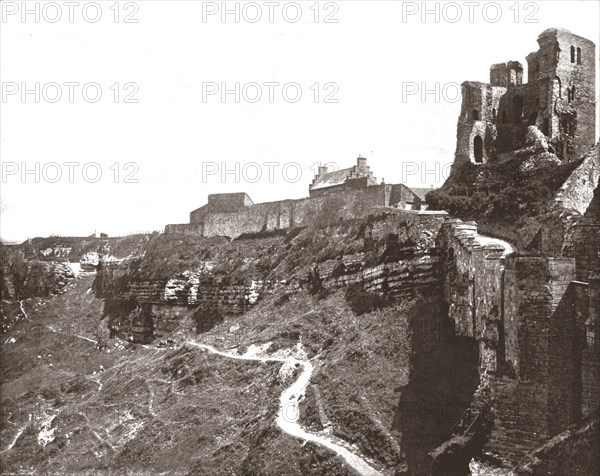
(333, 195)
(529, 315)
(556, 108)
(534, 316)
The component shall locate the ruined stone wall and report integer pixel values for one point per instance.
(559, 100)
(59, 248)
(518, 108)
(540, 389)
(521, 417)
(529, 316)
(535, 299)
(326, 208)
(591, 351)
(401, 196)
(574, 451)
(586, 249)
(236, 223)
(194, 229)
(582, 76)
(332, 208)
(417, 225)
(473, 287)
(479, 108)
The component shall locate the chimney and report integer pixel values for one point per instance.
(361, 162)
(322, 170)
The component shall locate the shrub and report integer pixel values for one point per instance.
(207, 317)
(362, 301)
(281, 300)
(499, 191)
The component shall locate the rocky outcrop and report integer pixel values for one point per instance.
(22, 279)
(577, 191)
(89, 261)
(397, 256)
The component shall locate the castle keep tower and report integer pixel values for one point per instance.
(558, 101)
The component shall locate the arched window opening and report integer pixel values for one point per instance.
(573, 93)
(475, 114)
(557, 87)
(546, 127)
(478, 149)
(569, 94)
(572, 54)
(494, 115)
(578, 55)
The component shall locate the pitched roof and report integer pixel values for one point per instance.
(330, 179)
(421, 191)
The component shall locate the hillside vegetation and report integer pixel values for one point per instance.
(175, 408)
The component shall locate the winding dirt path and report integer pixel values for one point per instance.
(289, 407)
(16, 437)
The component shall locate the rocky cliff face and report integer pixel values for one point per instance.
(148, 294)
(41, 267)
(22, 279)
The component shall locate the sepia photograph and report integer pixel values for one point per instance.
(288, 238)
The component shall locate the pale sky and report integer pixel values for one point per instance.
(172, 134)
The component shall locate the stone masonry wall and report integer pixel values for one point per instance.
(474, 275)
(558, 100)
(322, 210)
(185, 229)
(325, 208)
(574, 451)
(550, 376)
(529, 315)
(591, 351)
(586, 249)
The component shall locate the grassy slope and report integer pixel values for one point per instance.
(157, 409)
(185, 411)
(361, 362)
